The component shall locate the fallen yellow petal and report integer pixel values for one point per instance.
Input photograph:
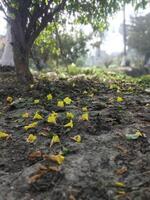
(4, 135)
(70, 115)
(49, 97)
(76, 138)
(37, 116)
(60, 104)
(25, 115)
(120, 184)
(85, 116)
(138, 133)
(69, 125)
(84, 109)
(58, 158)
(52, 119)
(67, 100)
(119, 99)
(36, 101)
(9, 99)
(54, 114)
(31, 138)
(32, 125)
(55, 139)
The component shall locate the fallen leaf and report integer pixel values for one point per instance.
(71, 197)
(120, 192)
(121, 170)
(69, 125)
(57, 158)
(85, 116)
(32, 125)
(76, 138)
(49, 97)
(40, 172)
(34, 155)
(60, 104)
(67, 100)
(31, 138)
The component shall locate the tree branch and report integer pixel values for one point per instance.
(48, 17)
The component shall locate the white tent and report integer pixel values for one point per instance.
(7, 56)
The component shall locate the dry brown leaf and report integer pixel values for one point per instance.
(59, 159)
(71, 197)
(34, 155)
(122, 149)
(41, 171)
(121, 170)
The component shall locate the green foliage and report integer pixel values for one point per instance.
(55, 44)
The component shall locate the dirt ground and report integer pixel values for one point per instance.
(105, 165)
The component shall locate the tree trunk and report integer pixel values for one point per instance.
(21, 51)
(21, 59)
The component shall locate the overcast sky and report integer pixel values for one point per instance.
(113, 41)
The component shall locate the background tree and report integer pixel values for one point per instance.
(139, 36)
(56, 46)
(29, 17)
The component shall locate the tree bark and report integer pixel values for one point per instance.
(21, 51)
(21, 59)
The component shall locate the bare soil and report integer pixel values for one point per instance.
(92, 168)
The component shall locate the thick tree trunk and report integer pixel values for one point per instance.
(21, 59)
(21, 52)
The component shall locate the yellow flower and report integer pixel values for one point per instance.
(32, 125)
(49, 97)
(58, 158)
(119, 99)
(60, 104)
(36, 101)
(85, 116)
(70, 115)
(67, 100)
(76, 138)
(31, 138)
(25, 115)
(69, 125)
(52, 118)
(84, 109)
(9, 99)
(119, 184)
(4, 135)
(55, 139)
(37, 116)
(54, 113)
